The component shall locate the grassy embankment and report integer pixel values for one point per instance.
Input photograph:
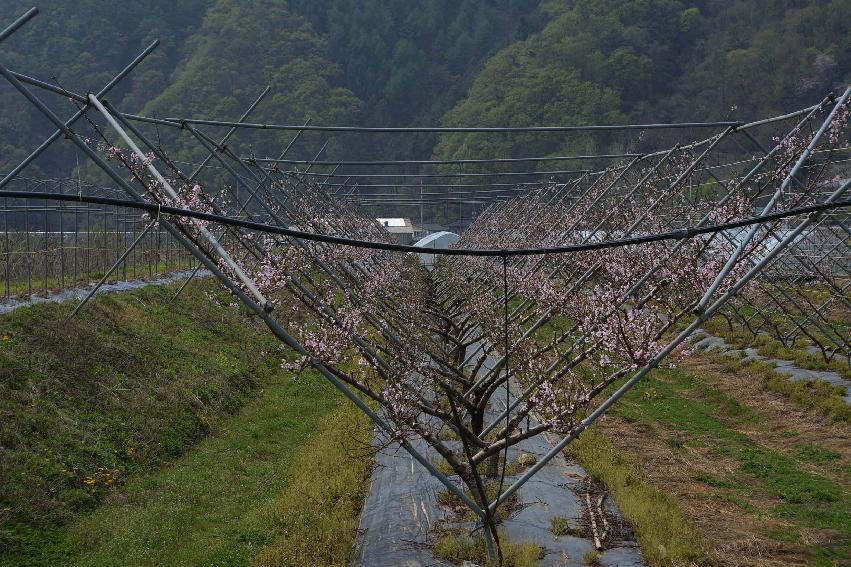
(147, 432)
(710, 465)
(707, 471)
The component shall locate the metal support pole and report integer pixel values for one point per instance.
(660, 356)
(208, 236)
(230, 132)
(79, 114)
(259, 309)
(13, 27)
(108, 273)
(805, 155)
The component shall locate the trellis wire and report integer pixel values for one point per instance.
(266, 200)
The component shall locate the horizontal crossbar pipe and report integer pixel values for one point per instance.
(509, 186)
(50, 87)
(444, 161)
(434, 197)
(441, 175)
(430, 201)
(451, 129)
(272, 229)
(780, 118)
(495, 129)
(738, 125)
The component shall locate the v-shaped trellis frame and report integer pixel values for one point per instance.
(424, 360)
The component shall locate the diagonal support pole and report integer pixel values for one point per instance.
(661, 355)
(13, 27)
(230, 132)
(208, 236)
(805, 155)
(259, 309)
(109, 272)
(79, 114)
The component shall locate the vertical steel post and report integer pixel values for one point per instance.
(108, 273)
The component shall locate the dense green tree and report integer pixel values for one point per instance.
(83, 44)
(391, 62)
(603, 61)
(242, 47)
(337, 61)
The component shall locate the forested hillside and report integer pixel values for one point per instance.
(82, 45)
(606, 61)
(486, 63)
(334, 61)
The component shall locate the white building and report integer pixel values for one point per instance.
(401, 229)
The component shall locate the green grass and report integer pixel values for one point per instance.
(817, 396)
(665, 536)
(705, 417)
(560, 526)
(219, 504)
(456, 547)
(716, 481)
(492, 486)
(317, 513)
(772, 348)
(816, 454)
(591, 558)
(147, 432)
(129, 385)
(552, 329)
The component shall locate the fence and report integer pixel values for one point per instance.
(48, 247)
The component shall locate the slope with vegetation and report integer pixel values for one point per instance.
(727, 468)
(492, 63)
(82, 45)
(148, 431)
(617, 61)
(334, 61)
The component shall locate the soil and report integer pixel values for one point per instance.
(734, 536)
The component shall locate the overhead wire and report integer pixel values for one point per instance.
(678, 234)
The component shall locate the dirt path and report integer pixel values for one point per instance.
(764, 482)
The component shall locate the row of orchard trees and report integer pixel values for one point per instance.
(433, 349)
